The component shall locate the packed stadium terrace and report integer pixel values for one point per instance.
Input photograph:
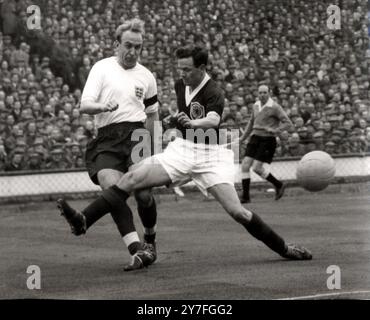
(320, 76)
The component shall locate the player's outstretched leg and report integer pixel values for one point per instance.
(263, 232)
(228, 198)
(143, 177)
(75, 218)
(81, 221)
(296, 252)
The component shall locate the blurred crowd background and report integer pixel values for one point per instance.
(320, 76)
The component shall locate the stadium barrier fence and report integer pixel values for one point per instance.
(23, 186)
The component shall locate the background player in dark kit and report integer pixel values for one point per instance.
(267, 121)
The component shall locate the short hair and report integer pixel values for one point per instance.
(199, 55)
(264, 85)
(134, 25)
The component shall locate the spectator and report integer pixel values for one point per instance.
(79, 163)
(8, 15)
(35, 162)
(83, 71)
(16, 162)
(57, 160)
(295, 148)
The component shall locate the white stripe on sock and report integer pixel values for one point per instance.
(130, 238)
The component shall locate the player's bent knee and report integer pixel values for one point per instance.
(257, 171)
(261, 171)
(130, 179)
(143, 197)
(106, 181)
(245, 167)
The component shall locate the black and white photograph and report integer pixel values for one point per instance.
(184, 154)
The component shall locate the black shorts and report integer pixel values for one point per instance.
(261, 148)
(111, 149)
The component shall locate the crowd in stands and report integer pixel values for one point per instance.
(320, 76)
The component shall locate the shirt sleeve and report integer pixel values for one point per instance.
(93, 86)
(286, 123)
(151, 96)
(281, 115)
(216, 103)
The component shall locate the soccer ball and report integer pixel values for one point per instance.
(315, 171)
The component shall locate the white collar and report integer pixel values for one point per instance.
(269, 103)
(189, 96)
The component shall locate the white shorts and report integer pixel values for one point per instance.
(206, 165)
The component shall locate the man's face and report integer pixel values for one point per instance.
(54, 134)
(10, 120)
(299, 122)
(294, 140)
(362, 123)
(75, 150)
(17, 158)
(129, 49)
(263, 94)
(189, 74)
(57, 157)
(32, 127)
(327, 126)
(347, 125)
(34, 160)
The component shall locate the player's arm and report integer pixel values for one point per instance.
(152, 120)
(285, 123)
(248, 129)
(154, 126)
(91, 92)
(212, 120)
(214, 108)
(151, 105)
(91, 107)
(152, 123)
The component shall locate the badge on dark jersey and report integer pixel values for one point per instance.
(196, 111)
(139, 92)
(208, 99)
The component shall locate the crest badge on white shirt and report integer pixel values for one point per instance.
(139, 92)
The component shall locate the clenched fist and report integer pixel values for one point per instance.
(111, 106)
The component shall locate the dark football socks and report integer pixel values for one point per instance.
(245, 184)
(277, 184)
(148, 216)
(110, 198)
(261, 231)
(96, 210)
(121, 212)
(124, 220)
(113, 200)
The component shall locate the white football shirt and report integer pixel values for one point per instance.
(134, 89)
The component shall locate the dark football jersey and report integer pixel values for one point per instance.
(209, 98)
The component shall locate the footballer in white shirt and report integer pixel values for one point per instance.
(122, 95)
